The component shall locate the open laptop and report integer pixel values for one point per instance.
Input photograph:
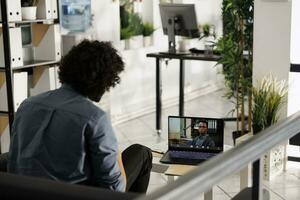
(192, 140)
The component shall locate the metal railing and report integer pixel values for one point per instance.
(214, 170)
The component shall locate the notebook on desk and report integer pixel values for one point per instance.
(192, 140)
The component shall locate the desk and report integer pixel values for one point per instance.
(172, 170)
(181, 58)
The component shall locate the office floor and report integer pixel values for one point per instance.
(142, 130)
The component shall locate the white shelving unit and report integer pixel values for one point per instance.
(25, 55)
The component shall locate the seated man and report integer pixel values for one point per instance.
(61, 135)
(203, 139)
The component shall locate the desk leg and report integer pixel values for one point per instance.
(181, 88)
(158, 96)
(208, 195)
(245, 175)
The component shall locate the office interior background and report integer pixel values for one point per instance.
(276, 48)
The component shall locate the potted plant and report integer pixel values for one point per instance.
(136, 27)
(148, 30)
(28, 9)
(126, 34)
(131, 25)
(268, 98)
(208, 35)
(236, 50)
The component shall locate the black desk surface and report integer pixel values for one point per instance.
(188, 56)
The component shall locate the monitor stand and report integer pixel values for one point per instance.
(172, 22)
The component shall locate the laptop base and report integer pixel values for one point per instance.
(167, 159)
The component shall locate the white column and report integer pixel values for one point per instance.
(272, 36)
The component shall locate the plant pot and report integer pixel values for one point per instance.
(183, 45)
(136, 42)
(28, 13)
(208, 48)
(122, 45)
(237, 134)
(148, 41)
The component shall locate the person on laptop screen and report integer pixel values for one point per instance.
(203, 138)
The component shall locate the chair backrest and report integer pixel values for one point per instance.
(3, 162)
(16, 187)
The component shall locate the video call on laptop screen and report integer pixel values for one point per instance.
(196, 133)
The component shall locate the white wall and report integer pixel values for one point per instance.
(295, 35)
(294, 80)
(136, 93)
(272, 25)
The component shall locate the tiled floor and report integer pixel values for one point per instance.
(142, 130)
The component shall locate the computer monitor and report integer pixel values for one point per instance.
(178, 19)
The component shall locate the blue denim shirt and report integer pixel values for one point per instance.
(61, 135)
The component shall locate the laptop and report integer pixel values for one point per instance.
(192, 140)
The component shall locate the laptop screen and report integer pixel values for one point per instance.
(196, 133)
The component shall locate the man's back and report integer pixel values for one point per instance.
(55, 135)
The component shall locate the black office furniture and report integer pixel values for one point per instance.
(181, 57)
(23, 187)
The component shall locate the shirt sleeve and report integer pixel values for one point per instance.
(102, 148)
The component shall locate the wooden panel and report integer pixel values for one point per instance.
(37, 73)
(179, 170)
(2, 78)
(38, 33)
(3, 123)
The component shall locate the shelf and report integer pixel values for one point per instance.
(3, 112)
(34, 63)
(46, 21)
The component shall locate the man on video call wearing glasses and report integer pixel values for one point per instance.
(203, 139)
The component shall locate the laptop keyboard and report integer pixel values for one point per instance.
(191, 155)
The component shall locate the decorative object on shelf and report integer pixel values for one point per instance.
(237, 67)
(15, 48)
(14, 9)
(268, 98)
(148, 30)
(47, 9)
(28, 9)
(76, 15)
(183, 44)
(208, 34)
(136, 27)
(131, 25)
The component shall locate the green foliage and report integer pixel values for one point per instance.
(124, 17)
(126, 33)
(207, 30)
(135, 24)
(237, 39)
(127, 4)
(131, 23)
(148, 29)
(268, 97)
(28, 3)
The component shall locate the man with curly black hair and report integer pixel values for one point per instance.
(61, 135)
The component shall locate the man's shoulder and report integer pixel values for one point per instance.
(73, 104)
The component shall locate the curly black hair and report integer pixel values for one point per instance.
(91, 68)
